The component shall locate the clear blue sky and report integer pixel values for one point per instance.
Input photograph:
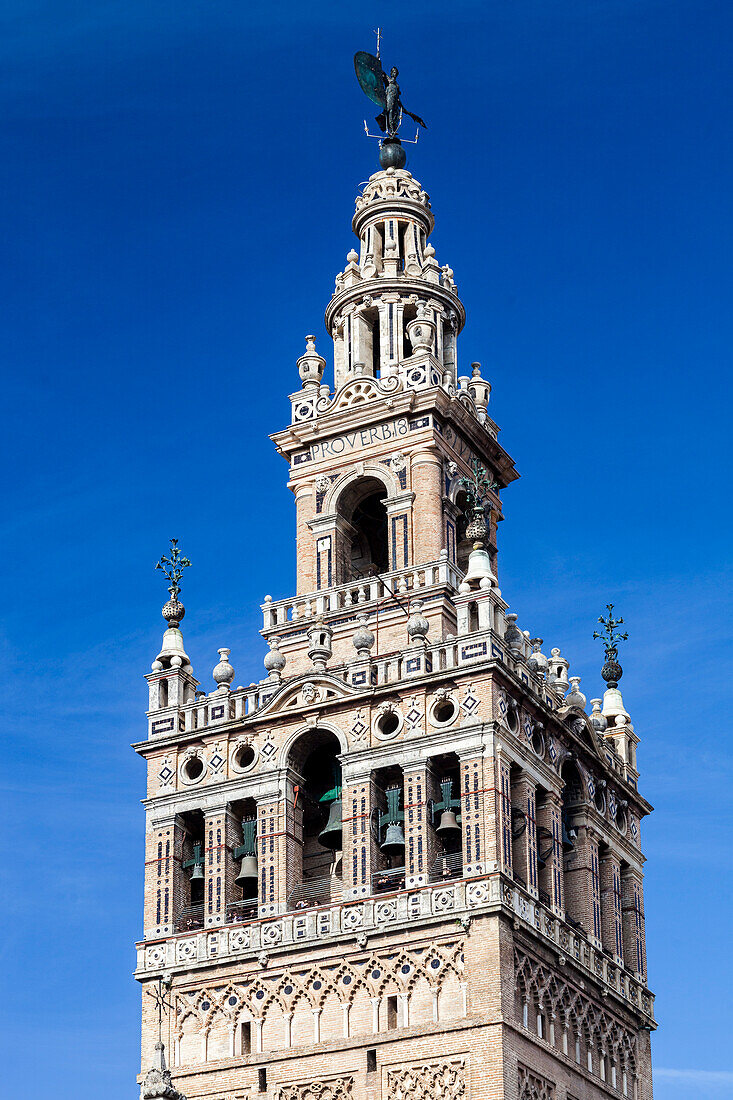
(178, 181)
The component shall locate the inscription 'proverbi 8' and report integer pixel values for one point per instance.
(354, 441)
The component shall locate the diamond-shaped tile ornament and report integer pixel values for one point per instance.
(470, 702)
(166, 773)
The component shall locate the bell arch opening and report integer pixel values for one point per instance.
(318, 880)
(366, 549)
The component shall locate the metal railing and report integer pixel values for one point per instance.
(385, 881)
(190, 918)
(446, 865)
(315, 891)
(245, 909)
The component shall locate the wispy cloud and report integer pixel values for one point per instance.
(699, 1076)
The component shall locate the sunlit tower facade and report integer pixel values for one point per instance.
(407, 862)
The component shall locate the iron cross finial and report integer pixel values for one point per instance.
(172, 568)
(161, 1004)
(610, 636)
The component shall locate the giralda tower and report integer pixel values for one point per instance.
(405, 864)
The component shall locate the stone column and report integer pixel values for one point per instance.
(524, 844)
(611, 915)
(477, 811)
(427, 512)
(420, 846)
(359, 852)
(632, 908)
(220, 835)
(165, 887)
(551, 877)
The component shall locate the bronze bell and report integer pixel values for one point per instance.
(247, 876)
(568, 838)
(448, 828)
(394, 841)
(197, 872)
(330, 837)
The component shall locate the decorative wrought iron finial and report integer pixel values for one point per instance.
(172, 569)
(161, 1004)
(610, 636)
(477, 487)
(385, 92)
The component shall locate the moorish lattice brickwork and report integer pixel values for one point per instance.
(406, 863)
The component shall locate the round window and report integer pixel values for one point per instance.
(193, 768)
(512, 717)
(621, 819)
(538, 741)
(388, 723)
(444, 712)
(244, 757)
(599, 799)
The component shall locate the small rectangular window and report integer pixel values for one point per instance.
(391, 1013)
(262, 1080)
(246, 1038)
(371, 1061)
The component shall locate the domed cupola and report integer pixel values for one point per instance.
(391, 282)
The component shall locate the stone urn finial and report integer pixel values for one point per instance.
(417, 624)
(363, 638)
(274, 661)
(223, 672)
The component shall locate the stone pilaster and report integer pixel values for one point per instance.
(477, 810)
(611, 912)
(359, 852)
(524, 838)
(220, 832)
(420, 846)
(632, 908)
(165, 887)
(549, 820)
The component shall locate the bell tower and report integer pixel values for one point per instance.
(406, 863)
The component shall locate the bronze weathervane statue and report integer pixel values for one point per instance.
(385, 92)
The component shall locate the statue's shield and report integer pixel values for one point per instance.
(370, 75)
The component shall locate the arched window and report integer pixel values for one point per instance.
(572, 798)
(314, 756)
(366, 552)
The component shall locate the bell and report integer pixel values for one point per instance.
(394, 841)
(448, 827)
(197, 872)
(247, 876)
(330, 837)
(568, 838)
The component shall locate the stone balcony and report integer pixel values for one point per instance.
(460, 900)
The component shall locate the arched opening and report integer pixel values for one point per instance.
(191, 912)
(572, 800)
(244, 856)
(446, 819)
(390, 821)
(464, 546)
(366, 551)
(317, 881)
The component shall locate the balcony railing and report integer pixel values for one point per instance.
(385, 881)
(356, 592)
(316, 891)
(447, 865)
(190, 918)
(245, 909)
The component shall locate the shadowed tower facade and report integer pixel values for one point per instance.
(407, 862)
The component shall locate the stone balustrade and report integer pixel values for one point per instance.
(442, 573)
(458, 899)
